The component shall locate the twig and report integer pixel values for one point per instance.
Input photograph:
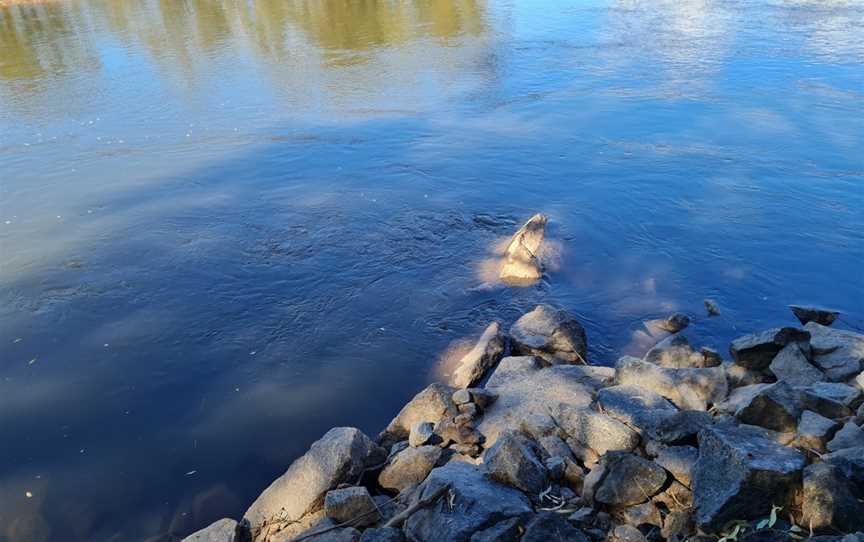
(400, 518)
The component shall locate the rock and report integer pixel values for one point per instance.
(739, 475)
(461, 397)
(341, 455)
(508, 530)
(639, 408)
(711, 308)
(485, 354)
(814, 314)
(814, 431)
(675, 497)
(740, 397)
(839, 353)
(677, 523)
(474, 502)
(524, 388)
(482, 398)
(756, 351)
(599, 432)
(849, 436)
(831, 399)
(223, 530)
(550, 334)
(383, 534)
(682, 426)
(792, 366)
(675, 322)
(675, 352)
(689, 389)
(626, 533)
(555, 467)
(629, 479)
(539, 425)
(776, 407)
(830, 500)
(344, 505)
(348, 534)
(470, 410)
(642, 514)
(430, 405)
(409, 467)
(766, 535)
(514, 461)
(710, 357)
(850, 461)
(678, 460)
(522, 256)
(421, 434)
(457, 430)
(739, 376)
(549, 526)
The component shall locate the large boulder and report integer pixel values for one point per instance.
(341, 455)
(351, 504)
(740, 474)
(831, 399)
(777, 407)
(514, 460)
(597, 431)
(549, 527)
(409, 467)
(550, 334)
(639, 408)
(689, 389)
(830, 500)
(430, 405)
(485, 354)
(757, 350)
(806, 314)
(792, 366)
(839, 353)
(472, 503)
(522, 263)
(627, 479)
(223, 530)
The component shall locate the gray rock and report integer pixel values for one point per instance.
(792, 366)
(831, 399)
(470, 410)
(223, 530)
(522, 263)
(430, 405)
(642, 514)
(639, 408)
(421, 434)
(776, 407)
(539, 425)
(474, 502)
(823, 317)
(461, 397)
(850, 461)
(514, 460)
(756, 351)
(740, 474)
(711, 307)
(711, 357)
(739, 376)
(678, 460)
(628, 480)
(688, 389)
(555, 467)
(383, 534)
(839, 353)
(482, 398)
(739, 398)
(675, 352)
(346, 504)
(626, 533)
(677, 523)
(550, 334)
(598, 431)
(341, 455)
(457, 430)
(508, 530)
(485, 354)
(830, 500)
(683, 425)
(409, 467)
(675, 322)
(675, 497)
(849, 436)
(549, 526)
(348, 534)
(815, 430)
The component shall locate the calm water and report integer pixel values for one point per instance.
(226, 226)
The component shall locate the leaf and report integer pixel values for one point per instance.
(773, 517)
(762, 524)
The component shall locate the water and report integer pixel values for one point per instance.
(227, 226)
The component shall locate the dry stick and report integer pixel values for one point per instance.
(400, 518)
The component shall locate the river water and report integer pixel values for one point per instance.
(226, 226)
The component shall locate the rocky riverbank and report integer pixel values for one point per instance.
(530, 442)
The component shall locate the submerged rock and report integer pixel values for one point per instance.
(689, 389)
(756, 351)
(839, 353)
(522, 257)
(430, 405)
(485, 354)
(550, 334)
(223, 530)
(823, 317)
(514, 460)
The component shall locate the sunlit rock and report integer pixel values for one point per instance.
(551, 334)
(430, 405)
(839, 353)
(522, 263)
(223, 530)
(485, 354)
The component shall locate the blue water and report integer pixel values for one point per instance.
(228, 226)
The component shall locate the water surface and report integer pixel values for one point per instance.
(227, 226)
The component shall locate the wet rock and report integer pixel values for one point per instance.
(508, 530)
(678, 460)
(756, 351)
(682, 426)
(850, 461)
(485, 354)
(550, 334)
(839, 353)
(383, 534)
(688, 389)
(639, 408)
(626, 533)
(849, 436)
(711, 308)
(628, 480)
(823, 317)
(430, 405)
(642, 514)
(514, 460)
(341, 455)
(421, 433)
(830, 500)
(739, 475)
(522, 256)
(831, 399)
(792, 366)
(409, 467)
(549, 526)
(474, 502)
(815, 430)
(675, 352)
(598, 431)
(776, 407)
(346, 504)
(223, 530)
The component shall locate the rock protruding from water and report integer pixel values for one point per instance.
(522, 263)
(821, 316)
(485, 354)
(550, 334)
(757, 350)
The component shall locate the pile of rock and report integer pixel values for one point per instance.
(677, 445)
